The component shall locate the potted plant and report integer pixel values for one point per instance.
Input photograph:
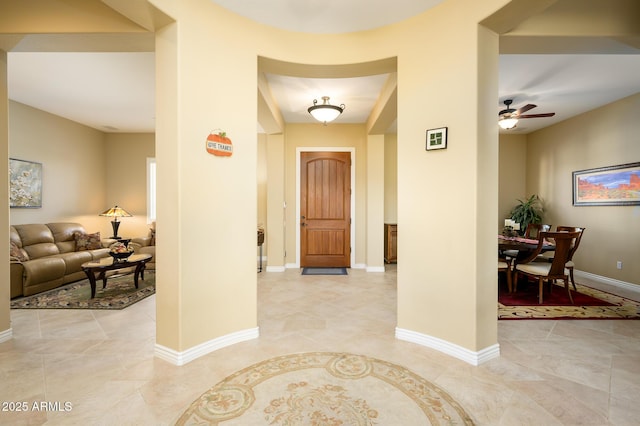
(528, 211)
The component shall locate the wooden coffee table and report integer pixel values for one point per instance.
(100, 267)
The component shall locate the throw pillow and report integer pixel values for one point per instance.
(17, 253)
(87, 241)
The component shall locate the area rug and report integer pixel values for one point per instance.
(325, 388)
(119, 293)
(589, 303)
(324, 271)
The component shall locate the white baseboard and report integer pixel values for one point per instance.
(182, 358)
(606, 280)
(464, 354)
(6, 335)
(276, 269)
(375, 269)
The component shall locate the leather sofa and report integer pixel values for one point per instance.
(146, 245)
(46, 256)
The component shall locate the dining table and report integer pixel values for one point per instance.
(524, 246)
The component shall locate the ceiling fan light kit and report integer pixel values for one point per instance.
(507, 122)
(508, 118)
(325, 112)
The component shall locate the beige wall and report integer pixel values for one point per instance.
(332, 135)
(391, 178)
(207, 205)
(513, 174)
(375, 203)
(603, 137)
(262, 184)
(275, 225)
(85, 171)
(5, 320)
(126, 184)
(74, 170)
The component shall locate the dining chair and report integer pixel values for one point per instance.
(549, 271)
(548, 256)
(533, 229)
(504, 265)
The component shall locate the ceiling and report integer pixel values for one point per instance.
(115, 92)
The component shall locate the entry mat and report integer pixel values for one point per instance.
(324, 271)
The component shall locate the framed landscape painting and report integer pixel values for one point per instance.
(607, 186)
(25, 184)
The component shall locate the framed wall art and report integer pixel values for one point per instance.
(607, 186)
(25, 184)
(437, 138)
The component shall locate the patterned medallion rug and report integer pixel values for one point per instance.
(589, 303)
(324, 388)
(119, 293)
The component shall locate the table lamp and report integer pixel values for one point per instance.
(115, 213)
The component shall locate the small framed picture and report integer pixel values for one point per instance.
(437, 138)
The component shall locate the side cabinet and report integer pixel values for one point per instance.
(390, 242)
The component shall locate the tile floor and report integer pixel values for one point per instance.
(101, 362)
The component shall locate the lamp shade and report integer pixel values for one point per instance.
(115, 212)
(325, 112)
(507, 122)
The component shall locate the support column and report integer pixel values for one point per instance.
(375, 203)
(276, 229)
(5, 319)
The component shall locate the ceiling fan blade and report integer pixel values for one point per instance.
(548, 114)
(525, 108)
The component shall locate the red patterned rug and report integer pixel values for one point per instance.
(589, 303)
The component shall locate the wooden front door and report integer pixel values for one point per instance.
(325, 209)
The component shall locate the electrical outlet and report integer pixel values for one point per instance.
(619, 264)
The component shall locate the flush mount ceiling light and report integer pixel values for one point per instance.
(325, 112)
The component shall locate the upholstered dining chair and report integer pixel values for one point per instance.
(545, 271)
(504, 265)
(548, 255)
(534, 228)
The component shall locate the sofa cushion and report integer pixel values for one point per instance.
(49, 271)
(36, 251)
(36, 233)
(63, 235)
(74, 260)
(86, 241)
(17, 253)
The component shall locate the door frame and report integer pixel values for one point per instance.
(352, 150)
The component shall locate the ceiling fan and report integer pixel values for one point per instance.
(508, 118)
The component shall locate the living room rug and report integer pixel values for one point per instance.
(325, 388)
(324, 271)
(119, 293)
(589, 303)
